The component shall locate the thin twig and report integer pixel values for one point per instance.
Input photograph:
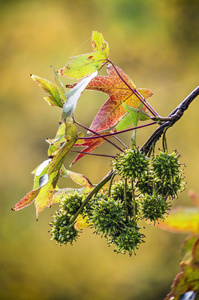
(116, 132)
(95, 154)
(99, 136)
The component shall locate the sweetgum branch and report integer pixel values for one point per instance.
(172, 118)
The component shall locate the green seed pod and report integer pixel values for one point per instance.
(131, 164)
(166, 166)
(154, 207)
(128, 239)
(107, 216)
(62, 232)
(146, 184)
(71, 203)
(118, 193)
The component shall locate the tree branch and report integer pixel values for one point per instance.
(173, 117)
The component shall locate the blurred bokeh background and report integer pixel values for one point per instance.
(157, 44)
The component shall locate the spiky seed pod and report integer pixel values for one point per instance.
(62, 232)
(146, 184)
(118, 193)
(88, 209)
(154, 207)
(166, 166)
(131, 164)
(170, 189)
(71, 203)
(107, 216)
(128, 239)
(168, 173)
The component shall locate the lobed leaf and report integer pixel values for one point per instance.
(112, 110)
(85, 64)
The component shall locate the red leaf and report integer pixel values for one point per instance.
(91, 145)
(112, 110)
(27, 200)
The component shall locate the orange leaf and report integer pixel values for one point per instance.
(27, 200)
(112, 110)
(80, 179)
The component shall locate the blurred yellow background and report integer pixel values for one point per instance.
(156, 43)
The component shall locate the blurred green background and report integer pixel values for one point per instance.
(156, 43)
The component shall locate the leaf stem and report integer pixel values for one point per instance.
(135, 92)
(98, 135)
(95, 154)
(117, 132)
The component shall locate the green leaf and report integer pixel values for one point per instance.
(85, 64)
(58, 141)
(132, 117)
(39, 172)
(99, 44)
(73, 95)
(71, 137)
(54, 98)
(60, 87)
(187, 248)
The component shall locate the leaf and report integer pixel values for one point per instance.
(99, 44)
(27, 200)
(187, 248)
(47, 175)
(112, 110)
(43, 196)
(58, 158)
(73, 95)
(77, 177)
(81, 222)
(91, 145)
(58, 141)
(85, 64)
(182, 219)
(132, 117)
(60, 87)
(187, 280)
(54, 97)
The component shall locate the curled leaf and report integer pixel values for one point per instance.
(54, 98)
